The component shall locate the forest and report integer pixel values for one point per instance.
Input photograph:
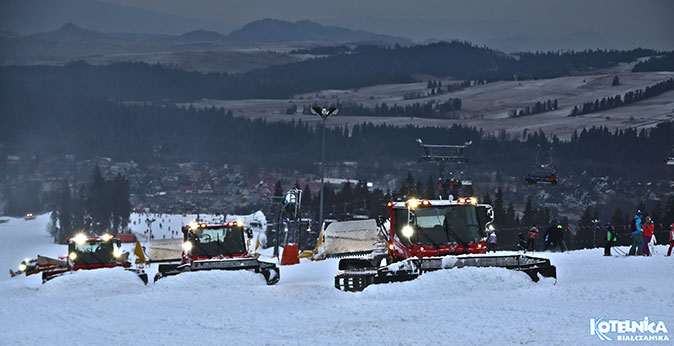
(369, 65)
(46, 124)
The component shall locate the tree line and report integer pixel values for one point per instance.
(628, 98)
(538, 107)
(364, 67)
(100, 207)
(49, 125)
(429, 109)
(656, 63)
(350, 200)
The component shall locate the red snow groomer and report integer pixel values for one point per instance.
(84, 253)
(224, 246)
(428, 235)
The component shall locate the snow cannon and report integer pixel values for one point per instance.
(222, 246)
(429, 235)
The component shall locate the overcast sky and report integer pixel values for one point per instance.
(616, 22)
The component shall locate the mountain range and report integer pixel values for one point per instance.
(264, 31)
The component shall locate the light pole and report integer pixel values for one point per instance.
(595, 222)
(324, 113)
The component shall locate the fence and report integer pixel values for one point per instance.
(578, 237)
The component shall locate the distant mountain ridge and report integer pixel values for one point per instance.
(203, 35)
(69, 32)
(279, 31)
(264, 31)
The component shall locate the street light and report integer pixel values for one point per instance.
(324, 113)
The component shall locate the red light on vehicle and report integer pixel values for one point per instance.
(389, 204)
(390, 246)
(425, 203)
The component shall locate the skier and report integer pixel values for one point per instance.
(637, 238)
(491, 241)
(647, 232)
(531, 238)
(671, 240)
(560, 238)
(522, 243)
(549, 235)
(610, 239)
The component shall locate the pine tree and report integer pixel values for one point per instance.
(99, 203)
(307, 199)
(278, 189)
(618, 217)
(669, 211)
(586, 218)
(510, 216)
(430, 188)
(499, 210)
(121, 207)
(487, 199)
(64, 213)
(529, 213)
(616, 81)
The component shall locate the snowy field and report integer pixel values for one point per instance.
(470, 306)
(486, 106)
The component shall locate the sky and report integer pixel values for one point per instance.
(615, 22)
(509, 25)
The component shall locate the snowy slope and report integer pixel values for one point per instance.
(470, 306)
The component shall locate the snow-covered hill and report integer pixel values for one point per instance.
(470, 306)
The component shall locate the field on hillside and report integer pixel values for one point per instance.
(470, 306)
(486, 106)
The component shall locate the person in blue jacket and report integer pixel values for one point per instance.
(637, 238)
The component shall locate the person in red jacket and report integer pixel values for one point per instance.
(647, 232)
(671, 240)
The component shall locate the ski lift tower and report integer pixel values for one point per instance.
(443, 154)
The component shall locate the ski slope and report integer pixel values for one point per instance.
(469, 306)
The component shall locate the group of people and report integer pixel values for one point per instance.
(641, 231)
(553, 238)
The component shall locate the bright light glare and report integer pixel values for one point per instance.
(72, 256)
(117, 252)
(187, 246)
(194, 225)
(106, 237)
(22, 267)
(80, 238)
(408, 231)
(413, 203)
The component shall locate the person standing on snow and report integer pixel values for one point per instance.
(671, 240)
(531, 238)
(549, 236)
(647, 232)
(522, 243)
(491, 241)
(637, 238)
(560, 238)
(611, 238)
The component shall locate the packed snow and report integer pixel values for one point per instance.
(468, 306)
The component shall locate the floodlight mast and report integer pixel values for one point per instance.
(324, 113)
